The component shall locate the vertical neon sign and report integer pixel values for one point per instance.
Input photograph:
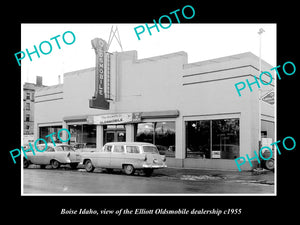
(98, 101)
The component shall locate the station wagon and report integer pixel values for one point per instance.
(128, 156)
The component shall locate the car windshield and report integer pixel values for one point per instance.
(150, 149)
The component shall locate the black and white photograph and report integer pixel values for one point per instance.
(150, 111)
(164, 123)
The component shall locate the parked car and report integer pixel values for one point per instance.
(268, 164)
(54, 156)
(128, 156)
(78, 146)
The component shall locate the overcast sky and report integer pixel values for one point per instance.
(200, 41)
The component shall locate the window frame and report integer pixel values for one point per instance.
(210, 118)
(138, 147)
(106, 146)
(121, 147)
(155, 121)
(58, 147)
(27, 106)
(50, 148)
(28, 95)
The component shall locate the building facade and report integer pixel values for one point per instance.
(191, 111)
(28, 108)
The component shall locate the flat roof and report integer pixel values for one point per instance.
(225, 59)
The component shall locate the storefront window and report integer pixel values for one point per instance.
(165, 138)
(145, 132)
(83, 136)
(225, 138)
(44, 131)
(214, 139)
(198, 139)
(161, 134)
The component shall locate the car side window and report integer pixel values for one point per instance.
(107, 148)
(119, 148)
(41, 147)
(68, 148)
(132, 149)
(59, 149)
(50, 149)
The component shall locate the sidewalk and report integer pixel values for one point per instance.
(266, 177)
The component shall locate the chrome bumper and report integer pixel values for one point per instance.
(154, 166)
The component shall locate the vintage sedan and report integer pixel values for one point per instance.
(128, 156)
(53, 155)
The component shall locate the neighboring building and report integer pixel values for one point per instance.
(191, 111)
(28, 109)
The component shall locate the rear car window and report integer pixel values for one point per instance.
(150, 149)
(132, 149)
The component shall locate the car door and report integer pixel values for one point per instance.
(102, 158)
(43, 157)
(133, 156)
(117, 157)
(47, 155)
(73, 155)
(39, 156)
(60, 155)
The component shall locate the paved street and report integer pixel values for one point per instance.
(169, 180)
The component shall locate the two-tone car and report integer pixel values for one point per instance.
(60, 154)
(128, 156)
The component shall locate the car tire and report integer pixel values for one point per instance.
(55, 164)
(269, 164)
(148, 172)
(73, 166)
(26, 163)
(88, 165)
(128, 169)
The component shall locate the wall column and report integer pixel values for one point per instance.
(129, 132)
(64, 134)
(99, 136)
(180, 138)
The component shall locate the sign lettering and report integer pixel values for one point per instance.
(98, 101)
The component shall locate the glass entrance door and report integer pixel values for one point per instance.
(114, 133)
(109, 136)
(121, 136)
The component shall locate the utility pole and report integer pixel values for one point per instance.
(259, 91)
(260, 33)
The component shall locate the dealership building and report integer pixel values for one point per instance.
(191, 111)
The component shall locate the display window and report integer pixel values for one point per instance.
(45, 131)
(161, 134)
(83, 136)
(213, 139)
